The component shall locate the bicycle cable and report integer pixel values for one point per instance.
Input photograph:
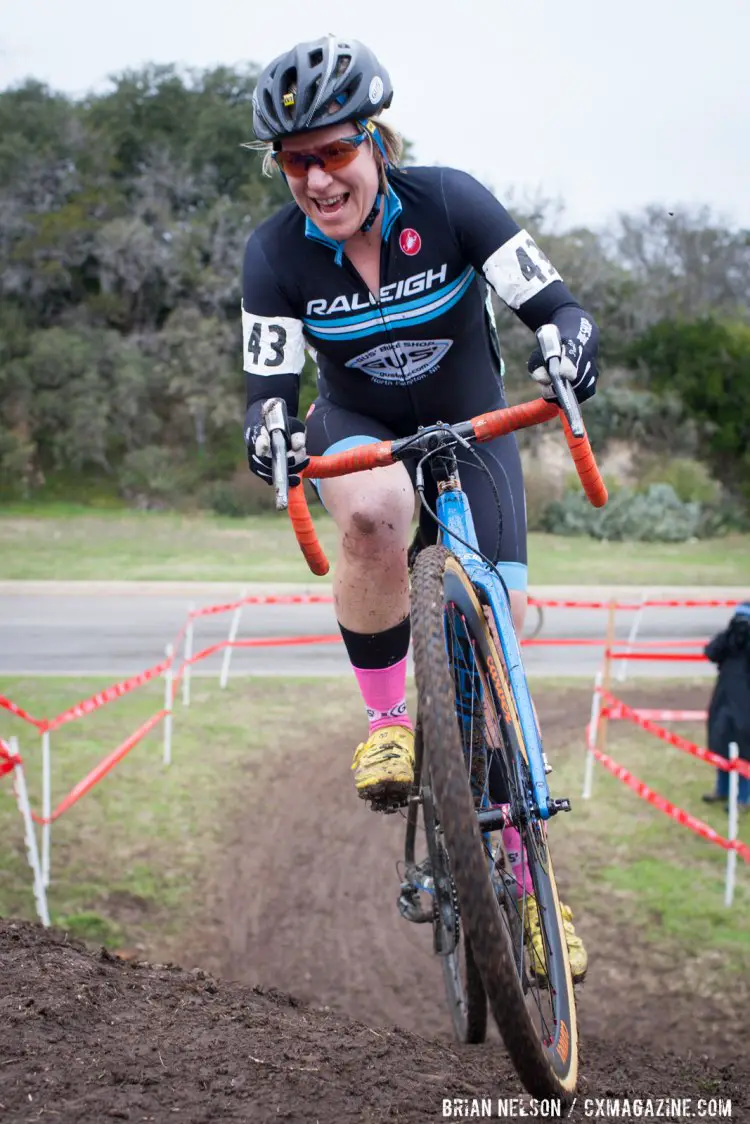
(495, 494)
(458, 439)
(420, 492)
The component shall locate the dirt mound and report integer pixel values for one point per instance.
(88, 1037)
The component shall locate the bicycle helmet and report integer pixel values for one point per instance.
(319, 83)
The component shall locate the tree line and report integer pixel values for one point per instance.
(123, 219)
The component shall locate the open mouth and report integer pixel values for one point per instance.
(333, 204)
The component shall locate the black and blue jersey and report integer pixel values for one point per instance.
(425, 347)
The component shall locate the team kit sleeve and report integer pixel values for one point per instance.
(272, 341)
(518, 270)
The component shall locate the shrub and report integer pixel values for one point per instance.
(690, 479)
(656, 515)
(659, 423)
(151, 477)
(243, 495)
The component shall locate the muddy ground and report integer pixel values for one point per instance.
(305, 903)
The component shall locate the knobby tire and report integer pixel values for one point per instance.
(547, 1069)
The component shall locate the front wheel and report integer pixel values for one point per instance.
(467, 1002)
(473, 747)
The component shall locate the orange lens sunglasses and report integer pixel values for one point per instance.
(329, 157)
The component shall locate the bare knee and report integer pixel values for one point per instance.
(374, 528)
(373, 515)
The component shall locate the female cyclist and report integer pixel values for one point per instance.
(383, 274)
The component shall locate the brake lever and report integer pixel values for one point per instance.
(550, 345)
(276, 422)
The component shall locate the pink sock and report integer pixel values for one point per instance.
(514, 849)
(384, 693)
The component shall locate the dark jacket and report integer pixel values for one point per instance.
(729, 709)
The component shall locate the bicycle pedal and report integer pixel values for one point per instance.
(387, 804)
(388, 797)
(561, 805)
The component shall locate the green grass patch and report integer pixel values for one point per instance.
(637, 867)
(134, 856)
(70, 542)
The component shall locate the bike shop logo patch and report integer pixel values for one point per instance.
(401, 361)
(410, 241)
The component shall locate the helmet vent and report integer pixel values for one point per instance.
(315, 57)
(310, 94)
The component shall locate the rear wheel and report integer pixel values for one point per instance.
(474, 758)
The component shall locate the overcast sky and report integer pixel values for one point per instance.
(608, 105)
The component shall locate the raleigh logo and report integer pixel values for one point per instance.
(403, 361)
(418, 283)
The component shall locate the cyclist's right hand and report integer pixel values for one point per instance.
(258, 441)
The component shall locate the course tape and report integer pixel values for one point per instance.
(615, 708)
(101, 769)
(683, 657)
(593, 642)
(633, 606)
(7, 761)
(109, 694)
(677, 814)
(6, 704)
(283, 599)
(670, 715)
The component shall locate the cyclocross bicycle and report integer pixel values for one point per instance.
(480, 766)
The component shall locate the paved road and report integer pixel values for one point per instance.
(118, 630)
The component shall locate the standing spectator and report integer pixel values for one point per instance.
(729, 709)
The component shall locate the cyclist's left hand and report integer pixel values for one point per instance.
(576, 366)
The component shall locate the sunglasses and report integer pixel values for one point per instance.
(329, 157)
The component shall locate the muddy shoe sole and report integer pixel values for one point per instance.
(387, 796)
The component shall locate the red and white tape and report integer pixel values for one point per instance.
(281, 599)
(617, 709)
(100, 770)
(669, 809)
(7, 761)
(109, 694)
(16, 710)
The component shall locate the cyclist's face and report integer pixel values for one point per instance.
(337, 201)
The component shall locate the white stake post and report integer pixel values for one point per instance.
(234, 626)
(596, 706)
(187, 654)
(32, 851)
(46, 807)
(168, 677)
(734, 784)
(621, 674)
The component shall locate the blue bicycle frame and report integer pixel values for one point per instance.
(454, 513)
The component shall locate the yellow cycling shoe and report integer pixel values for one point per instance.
(577, 954)
(384, 766)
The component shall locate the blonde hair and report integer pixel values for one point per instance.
(393, 143)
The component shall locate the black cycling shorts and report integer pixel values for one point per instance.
(332, 429)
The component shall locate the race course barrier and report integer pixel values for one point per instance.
(606, 706)
(175, 670)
